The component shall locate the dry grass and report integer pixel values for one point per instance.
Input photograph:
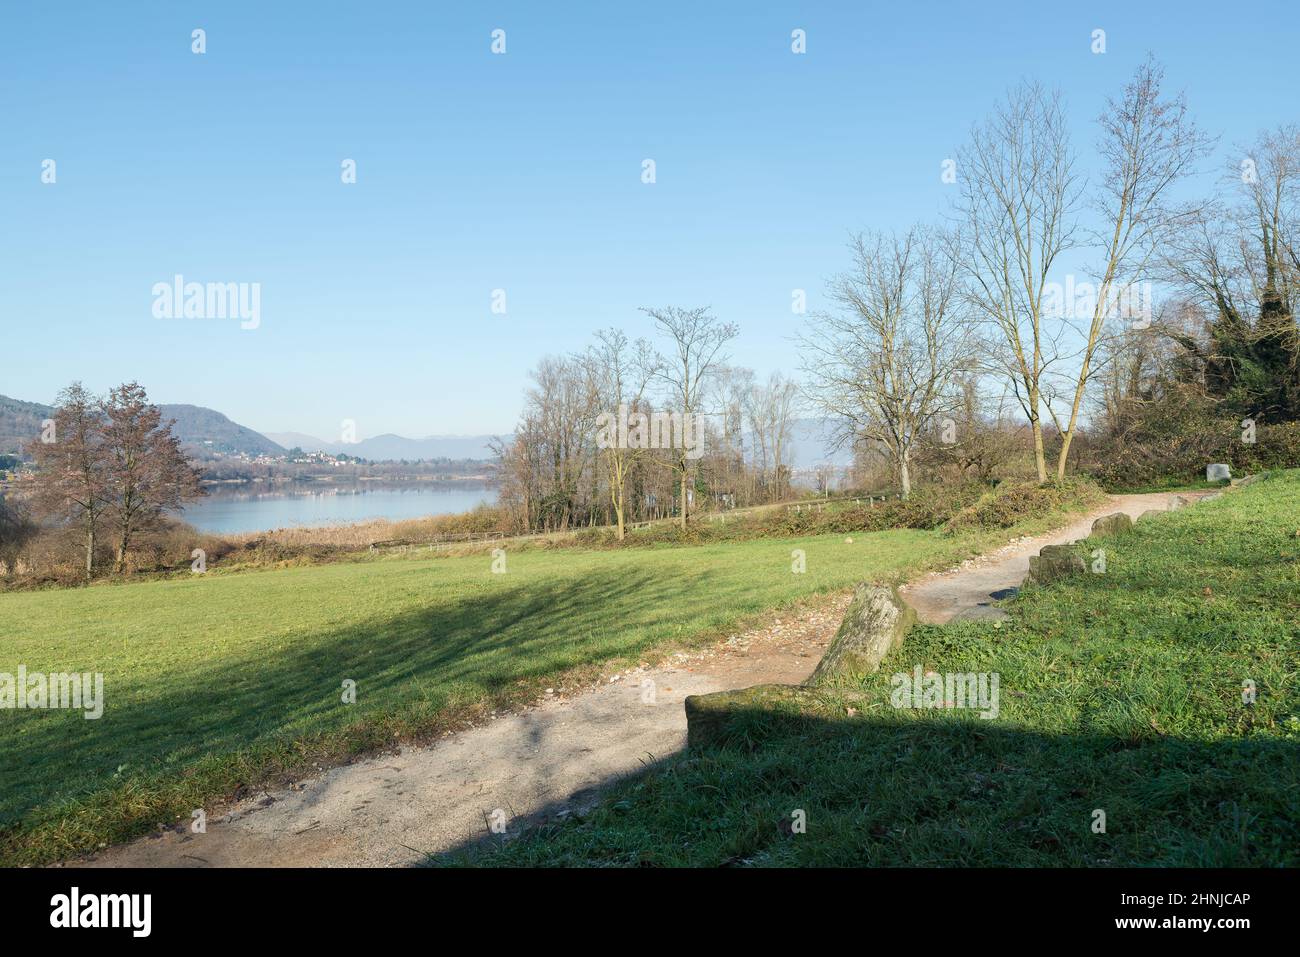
(484, 520)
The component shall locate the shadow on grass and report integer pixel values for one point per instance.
(926, 789)
(1122, 697)
(408, 670)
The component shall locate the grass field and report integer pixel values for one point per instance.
(1120, 692)
(225, 681)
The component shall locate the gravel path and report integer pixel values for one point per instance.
(968, 590)
(392, 809)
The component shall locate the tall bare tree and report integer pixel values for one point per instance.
(559, 429)
(1018, 195)
(1147, 145)
(146, 471)
(71, 462)
(620, 371)
(882, 366)
(697, 340)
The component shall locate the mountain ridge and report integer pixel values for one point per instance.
(200, 429)
(204, 431)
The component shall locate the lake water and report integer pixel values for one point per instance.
(230, 512)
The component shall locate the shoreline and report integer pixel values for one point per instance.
(485, 479)
(321, 511)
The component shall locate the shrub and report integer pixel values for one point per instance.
(1275, 447)
(1008, 505)
(1179, 456)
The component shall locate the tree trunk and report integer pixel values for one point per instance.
(1040, 457)
(90, 552)
(618, 490)
(1065, 454)
(1093, 333)
(685, 507)
(1036, 425)
(905, 476)
(616, 497)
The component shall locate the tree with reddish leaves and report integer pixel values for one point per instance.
(72, 461)
(147, 473)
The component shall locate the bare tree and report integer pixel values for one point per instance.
(1147, 144)
(977, 440)
(559, 430)
(771, 409)
(1018, 194)
(882, 366)
(16, 530)
(146, 471)
(823, 474)
(1131, 363)
(1273, 215)
(620, 372)
(738, 446)
(697, 341)
(71, 464)
(1241, 263)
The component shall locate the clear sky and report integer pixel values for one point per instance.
(520, 172)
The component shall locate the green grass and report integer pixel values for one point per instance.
(1169, 484)
(222, 682)
(1120, 692)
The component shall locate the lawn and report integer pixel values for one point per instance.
(1123, 692)
(223, 681)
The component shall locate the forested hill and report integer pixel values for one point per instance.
(200, 429)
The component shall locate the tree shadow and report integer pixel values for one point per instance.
(407, 668)
(929, 789)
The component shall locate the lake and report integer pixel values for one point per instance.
(223, 511)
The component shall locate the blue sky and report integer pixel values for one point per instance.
(521, 172)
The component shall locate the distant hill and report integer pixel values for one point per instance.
(810, 445)
(205, 430)
(390, 447)
(208, 430)
(430, 447)
(200, 430)
(20, 422)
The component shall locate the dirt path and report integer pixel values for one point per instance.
(968, 590)
(392, 809)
